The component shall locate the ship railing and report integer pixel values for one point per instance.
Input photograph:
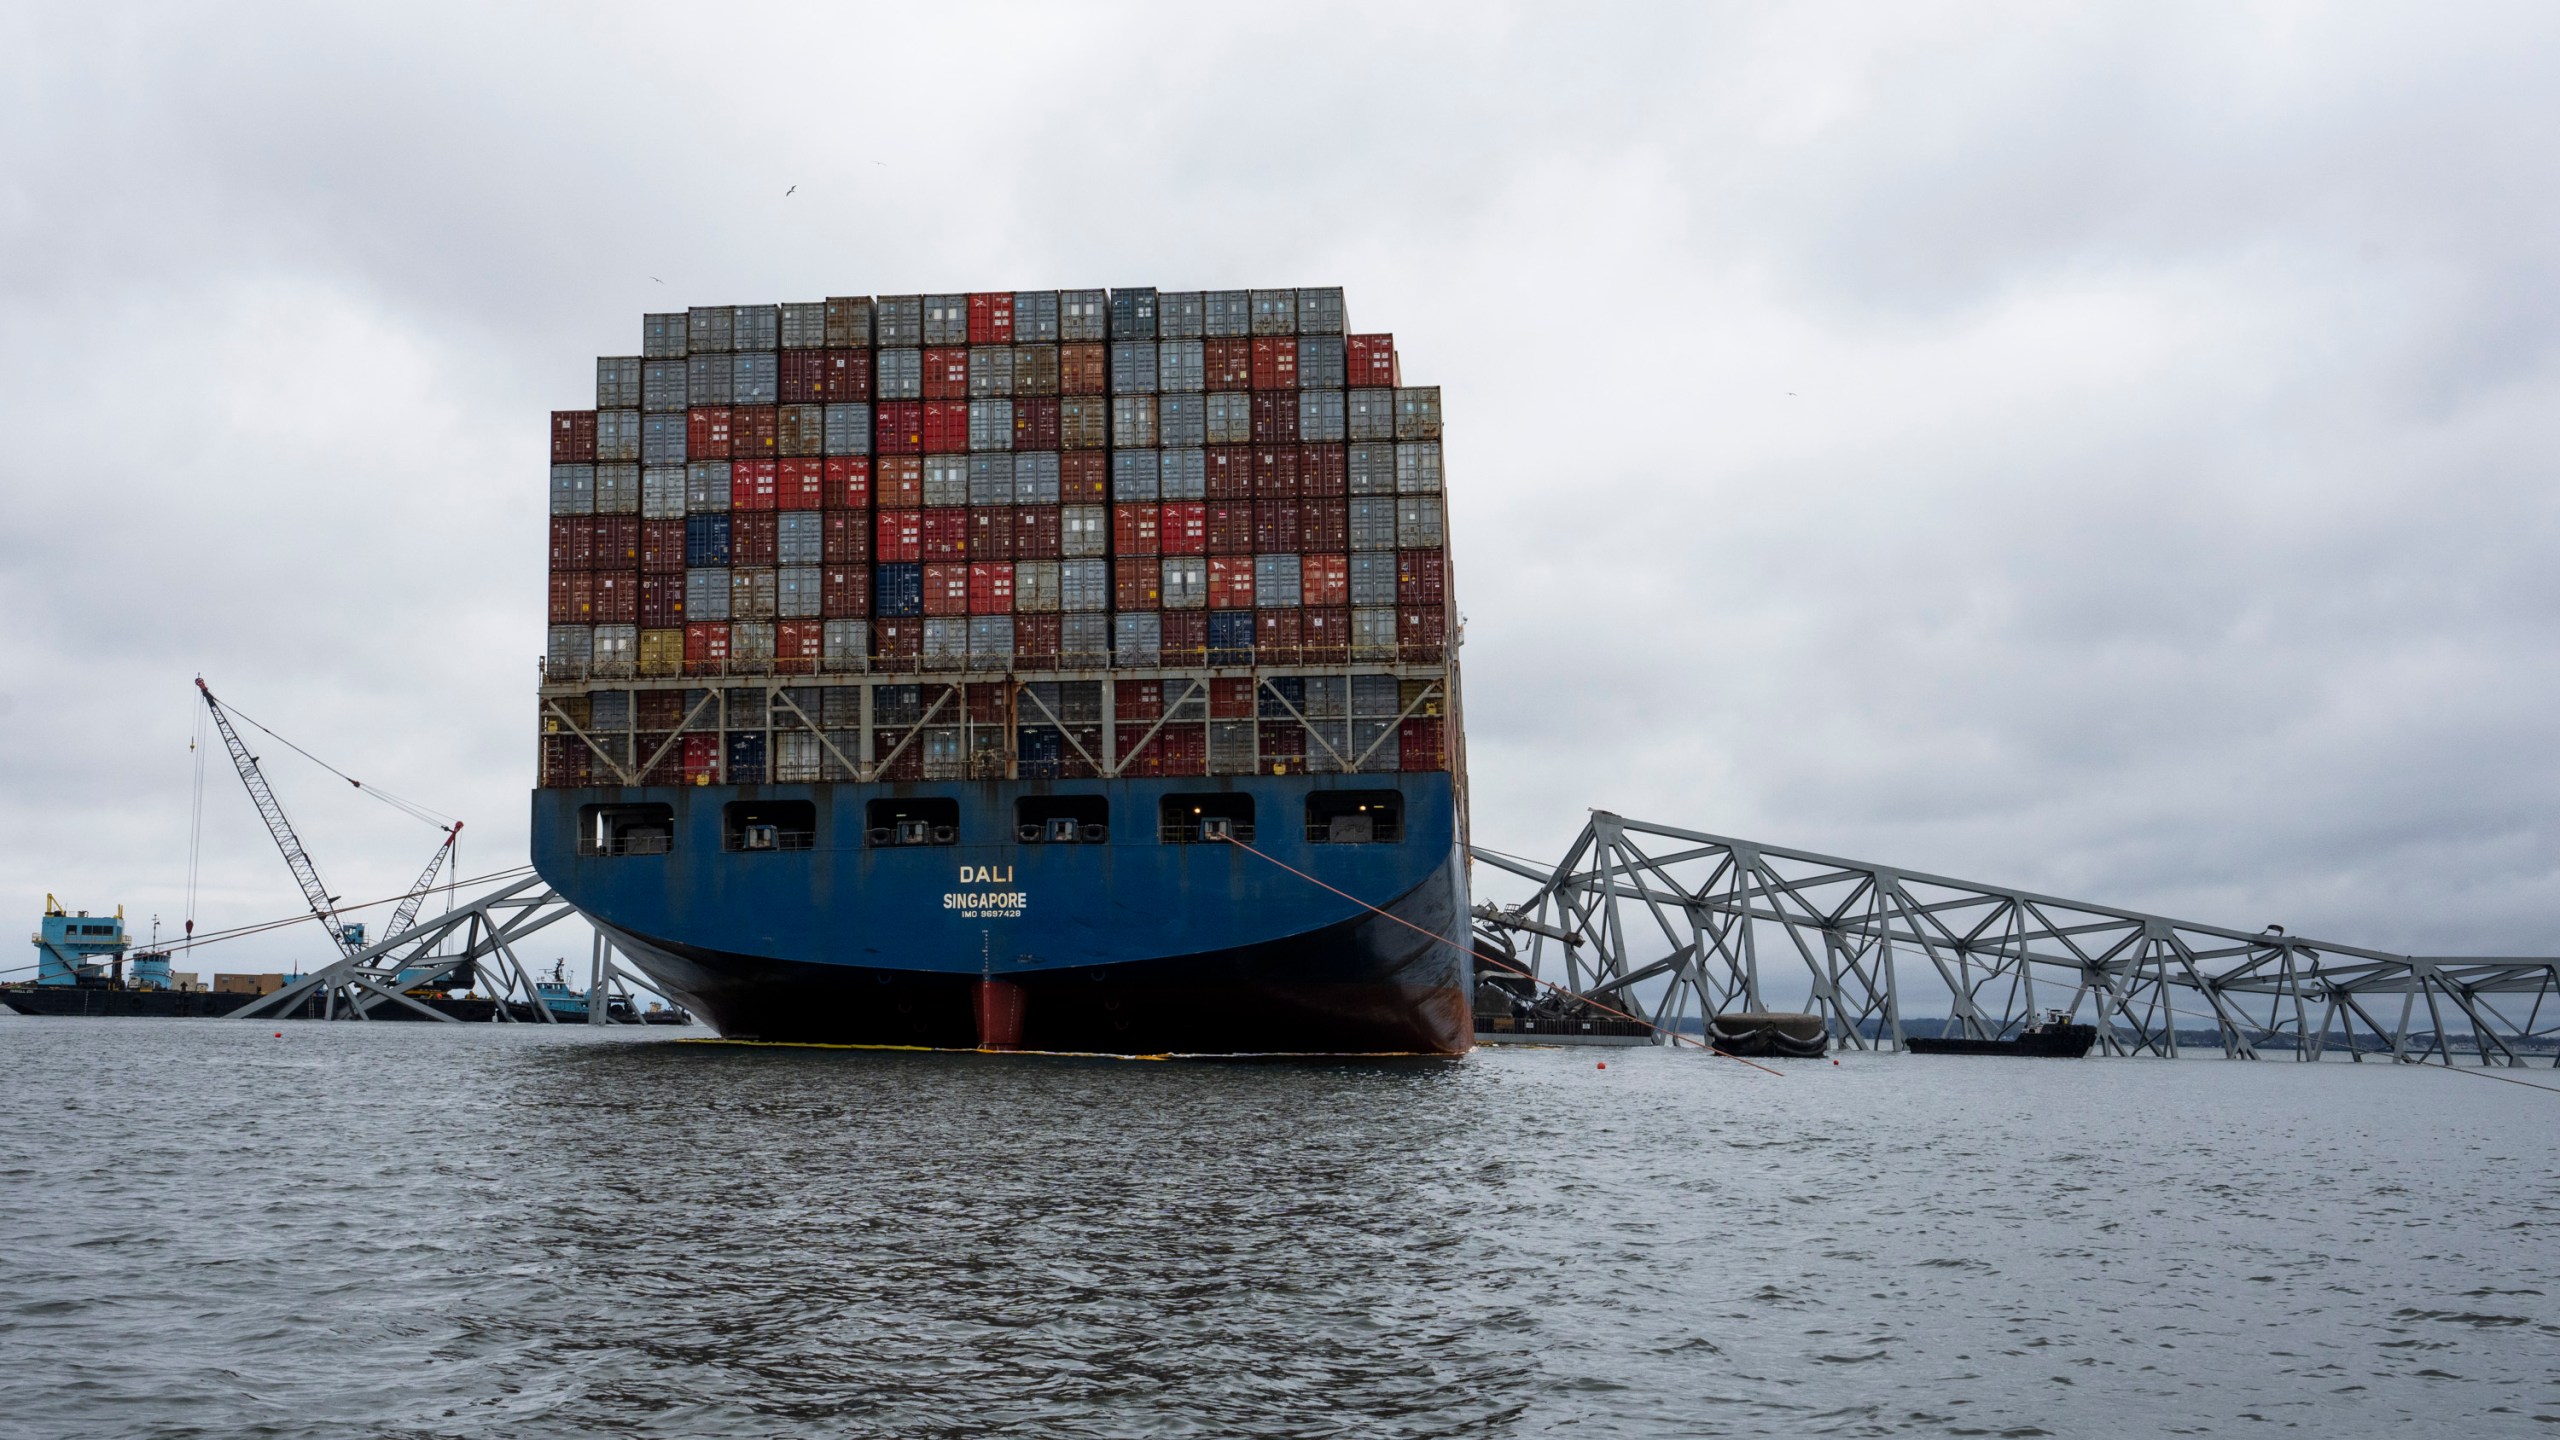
(644, 843)
(570, 672)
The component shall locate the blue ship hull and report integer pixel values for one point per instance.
(1129, 946)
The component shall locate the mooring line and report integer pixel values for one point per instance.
(1676, 1036)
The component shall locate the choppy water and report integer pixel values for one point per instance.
(413, 1231)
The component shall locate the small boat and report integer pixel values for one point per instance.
(2056, 1038)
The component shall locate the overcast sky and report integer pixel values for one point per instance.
(2100, 449)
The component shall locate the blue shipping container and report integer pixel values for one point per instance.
(746, 759)
(706, 541)
(1231, 637)
(897, 589)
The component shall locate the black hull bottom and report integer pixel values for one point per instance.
(100, 1002)
(2034, 1047)
(1366, 986)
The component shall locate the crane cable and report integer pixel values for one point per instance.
(195, 817)
(410, 808)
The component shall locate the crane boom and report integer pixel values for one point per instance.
(407, 914)
(263, 796)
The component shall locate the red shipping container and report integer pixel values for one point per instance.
(991, 532)
(1228, 472)
(1418, 745)
(1084, 422)
(1185, 637)
(1324, 525)
(1140, 753)
(1137, 583)
(848, 374)
(899, 759)
(1035, 533)
(573, 437)
(798, 645)
(900, 537)
(617, 597)
(1035, 641)
(990, 587)
(946, 587)
(1231, 699)
(991, 318)
(1275, 527)
(1422, 577)
(573, 544)
(755, 432)
(985, 704)
(1084, 477)
(662, 601)
(946, 427)
(1185, 749)
(1420, 633)
(846, 537)
(1275, 637)
(1323, 471)
(1083, 369)
(804, 377)
(1229, 363)
(1133, 531)
(573, 598)
(752, 538)
(1230, 526)
(616, 541)
(1183, 527)
(1369, 361)
(1326, 634)
(1035, 423)
(1284, 747)
(798, 484)
(707, 432)
(1324, 579)
(1231, 582)
(897, 428)
(1275, 363)
(662, 547)
(1275, 472)
(897, 482)
(1138, 700)
(844, 592)
(1275, 421)
(946, 533)
(706, 652)
(946, 373)
(848, 482)
(754, 484)
(900, 639)
(702, 752)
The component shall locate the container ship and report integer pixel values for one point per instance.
(1067, 670)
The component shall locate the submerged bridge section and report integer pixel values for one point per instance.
(1676, 925)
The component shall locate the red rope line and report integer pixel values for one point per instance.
(1676, 1036)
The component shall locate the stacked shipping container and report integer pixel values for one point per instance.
(987, 486)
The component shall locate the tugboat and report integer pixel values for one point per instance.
(2057, 1038)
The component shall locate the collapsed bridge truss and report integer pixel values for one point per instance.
(1678, 925)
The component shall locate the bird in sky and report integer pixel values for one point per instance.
(653, 277)
(787, 194)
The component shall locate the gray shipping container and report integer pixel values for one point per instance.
(946, 642)
(1373, 522)
(1231, 748)
(843, 749)
(706, 594)
(799, 539)
(662, 384)
(849, 428)
(804, 325)
(756, 380)
(1084, 585)
(610, 709)
(1320, 363)
(1328, 697)
(756, 327)
(1418, 412)
(1373, 746)
(1328, 745)
(1371, 415)
(795, 757)
(1226, 314)
(1275, 312)
(1373, 577)
(849, 323)
(710, 379)
(990, 371)
(991, 425)
(840, 706)
(990, 479)
(1320, 416)
(572, 649)
(1133, 420)
(618, 435)
(845, 645)
(1229, 417)
(1035, 477)
(898, 320)
(1133, 313)
(1371, 468)
(1035, 587)
(661, 439)
(617, 489)
(1083, 531)
(1133, 367)
(1137, 638)
(946, 480)
(751, 644)
(751, 593)
(1418, 525)
(573, 489)
(1035, 317)
(1182, 474)
(662, 337)
(1373, 635)
(1418, 467)
(662, 493)
(1182, 367)
(990, 642)
(1084, 641)
(706, 486)
(1083, 315)
(1275, 582)
(1186, 582)
(946, 320)
(706, 330)
(1182, 419)
(1180, 315)
(618, 380)
(1320, 311)
(745, 709)
(796, 591)
(899, 375)
(1134, 475)
(1377, 697)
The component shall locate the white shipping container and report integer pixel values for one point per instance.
(848, 428)
(1083, 531)
(1372, 468)
(1186, 582)
(751, 593)
(946, 641)
(617, 489)
(1229, 417)
(618, 381)
(1133, 420)
(1373, 635)
(1418, 412)
(990, 371)
(1035, 477)
(946, 319)
(990, 642)
(796, 592)
(845, 645)
(618, 435)
(1418, 467)
(662, 439)
(1226, 314)
(662, 493)
(1231, 747)
(617, 655)
(946, 480)
(804, 325)
(1418, 524)
(1084, 585)
(707, 330)
(796, 757)
(1328, 746)
(1275, 582)
(1181, 367)
(990, 424)
(1320, 362)
(1275, 312)
(898, 320)
(1083, 315)
(706, 594)
(899, 375)
(751, 642)
(706, 487)
(1035, 587)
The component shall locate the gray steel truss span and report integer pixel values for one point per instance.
(1678, 925)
